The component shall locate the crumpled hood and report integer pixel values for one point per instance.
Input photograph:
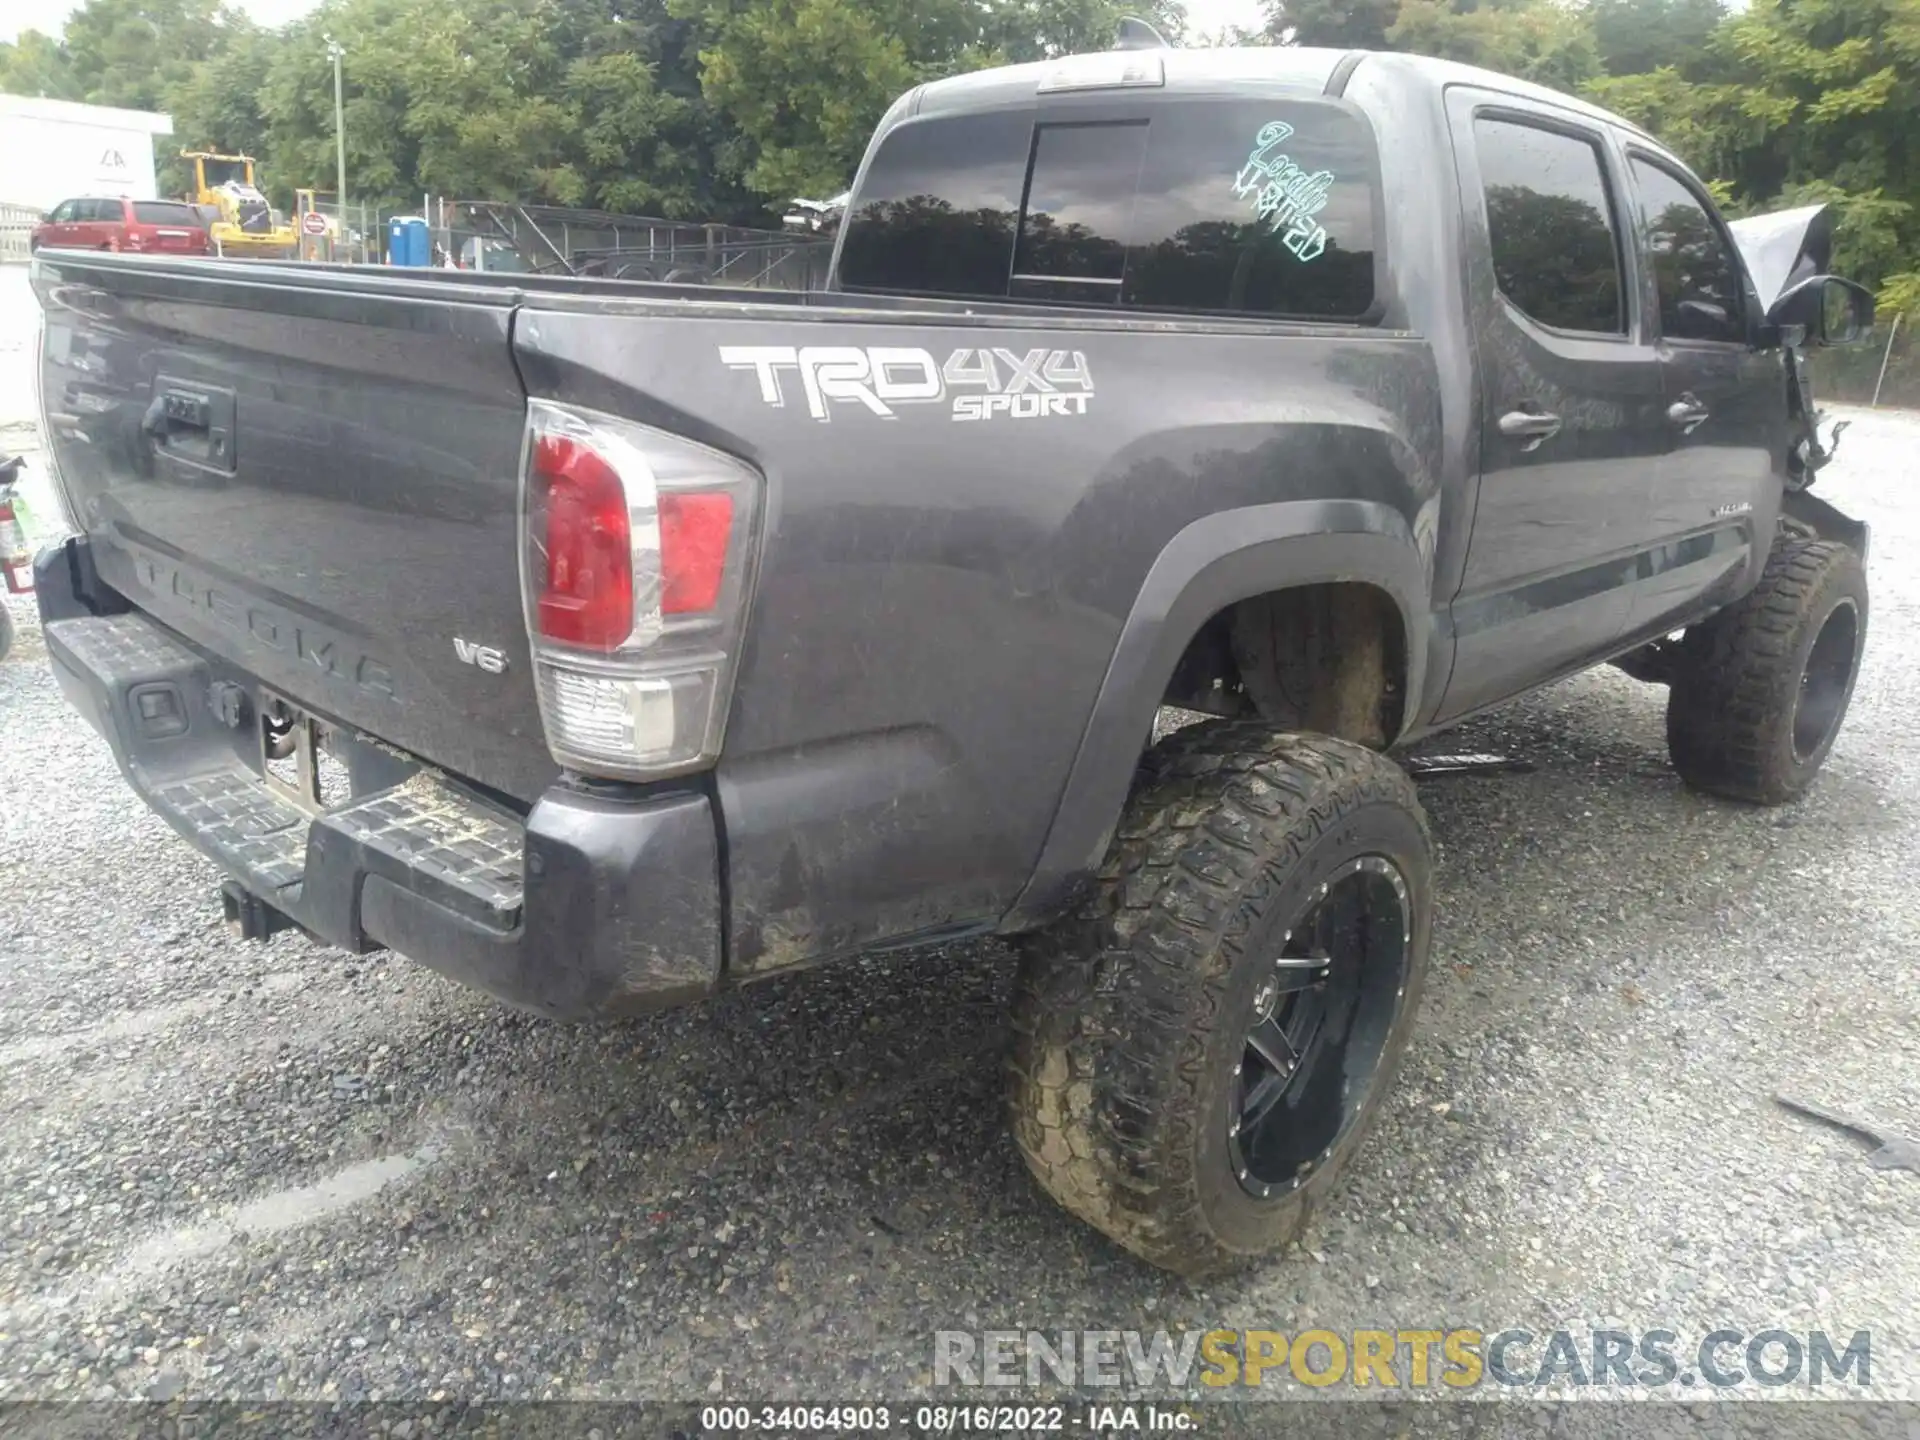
(1784, 247)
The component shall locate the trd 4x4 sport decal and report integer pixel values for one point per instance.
(975, 384)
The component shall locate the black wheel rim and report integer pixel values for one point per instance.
(1825, 681)
(1319, 1027)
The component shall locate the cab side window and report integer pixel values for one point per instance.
(1702, 292)
(1550, 220)
(63, 213)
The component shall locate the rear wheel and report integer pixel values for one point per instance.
(1201, 1049)
(6, 631)
(1760, 690)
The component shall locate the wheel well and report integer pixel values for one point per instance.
(1329, 658)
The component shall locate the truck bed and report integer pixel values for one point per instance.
(361, 519)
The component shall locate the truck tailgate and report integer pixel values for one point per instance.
(313, 475)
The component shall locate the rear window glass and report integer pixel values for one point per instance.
(1242, 207)
(939, 208)
(163, 212)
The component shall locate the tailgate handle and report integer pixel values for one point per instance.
(191, 422)
(177, 412)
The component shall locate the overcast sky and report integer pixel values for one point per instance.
(1204, 17)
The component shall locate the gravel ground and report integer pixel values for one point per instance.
(262, 1171)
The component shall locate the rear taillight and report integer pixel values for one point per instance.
(636, 547)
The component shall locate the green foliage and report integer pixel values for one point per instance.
(136, 52)
(803, 82)
(1899, 295)
(1536, 40)
(1635, 37)
(1346, 24)
(37, 64)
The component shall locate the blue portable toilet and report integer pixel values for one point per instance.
(408, 242)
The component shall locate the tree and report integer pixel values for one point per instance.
(219, 106)
(37, 64)
(1638, 36)
(1797, 102)
(1534, 39)
(1346, 24)
(803, 82)
(134, 53)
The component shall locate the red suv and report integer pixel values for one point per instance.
(142, 226)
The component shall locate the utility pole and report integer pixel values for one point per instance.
(336, 52)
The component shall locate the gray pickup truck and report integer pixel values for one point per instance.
(606, 645)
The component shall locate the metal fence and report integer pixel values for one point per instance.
(544, 239)
(348, 234)
(16, 225)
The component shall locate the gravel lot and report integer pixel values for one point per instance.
(260, 1171)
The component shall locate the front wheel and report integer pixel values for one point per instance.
(1759, 691)
(1201, 1049)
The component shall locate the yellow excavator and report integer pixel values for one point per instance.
(239, 219)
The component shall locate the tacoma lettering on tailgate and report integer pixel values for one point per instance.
(256, 623)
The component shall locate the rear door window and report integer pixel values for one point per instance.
(1550, 221)
(165, 212)
(1252, 208)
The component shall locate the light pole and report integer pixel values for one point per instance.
(336, 52)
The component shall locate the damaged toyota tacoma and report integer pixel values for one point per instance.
(606, 645)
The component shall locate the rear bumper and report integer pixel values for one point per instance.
(587, 906)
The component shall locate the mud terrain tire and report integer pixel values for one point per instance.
(1760, 690)
(1131, 1017)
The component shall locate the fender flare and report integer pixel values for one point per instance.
(1219, 559)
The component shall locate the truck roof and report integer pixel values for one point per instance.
(1249, 69)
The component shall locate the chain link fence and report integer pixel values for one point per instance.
(327, 231)
(551, 240)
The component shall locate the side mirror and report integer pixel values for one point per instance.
(1827, 309)
(1846, 312)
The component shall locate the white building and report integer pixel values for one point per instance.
(53, 149)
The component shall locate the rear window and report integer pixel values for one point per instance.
(164, 212)
(1242, 207)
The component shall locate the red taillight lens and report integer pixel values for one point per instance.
(584, 593)
(636, 560)
(694, 529)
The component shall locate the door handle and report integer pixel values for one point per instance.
(1529, 427)
(1688, 413)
